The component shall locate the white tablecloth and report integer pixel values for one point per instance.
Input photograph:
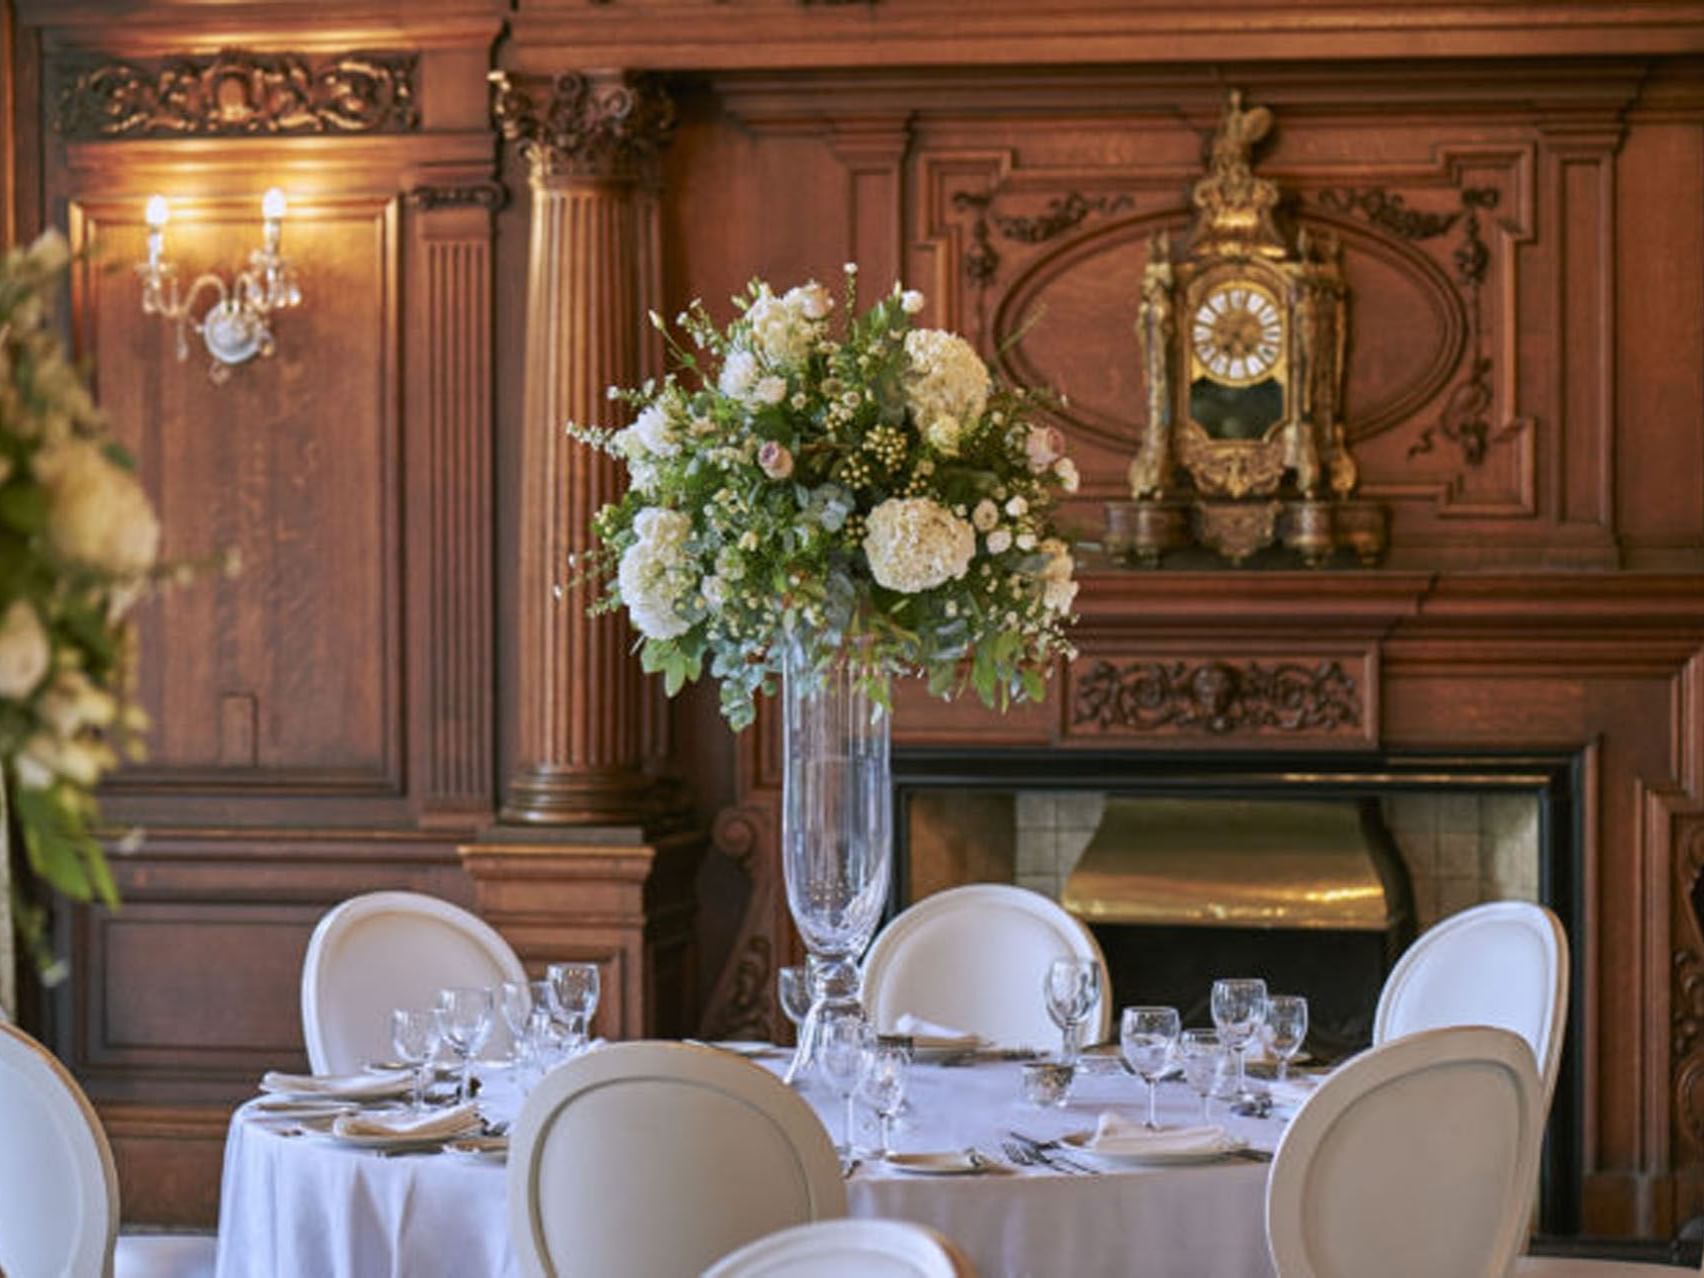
(305, 1207)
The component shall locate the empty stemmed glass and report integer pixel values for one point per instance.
(843, 1045)
(796, 995)
(515, 1002)
(1147, 1035)
(883, 1086)
(414, 1035)
(1239, 1008)
(1073, 986)
(1286, 1028)
(1202, 1056)
(574, 996)
(464, 1017)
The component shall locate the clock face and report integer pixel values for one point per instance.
(1237, 333)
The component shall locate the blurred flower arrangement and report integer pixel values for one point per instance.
(79, 544)
(862, 491)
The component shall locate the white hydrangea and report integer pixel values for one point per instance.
(946, 378)
(739, 372)
(915, 544)
(656, 574)
(1058, 590)
(98, 514)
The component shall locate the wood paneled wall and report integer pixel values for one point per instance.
(1519, 187)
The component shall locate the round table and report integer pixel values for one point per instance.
(295, 1206)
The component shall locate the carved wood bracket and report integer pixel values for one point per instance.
(608, 125)
(1287, 696)
(237, 93)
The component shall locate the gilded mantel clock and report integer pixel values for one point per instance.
(1242, 338)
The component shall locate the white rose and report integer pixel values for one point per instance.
(24, 651)
(942, 432)
(98, 515)
(1017, 506)
(915, 544)
(769, 390)
(985, 516)
(911, 301)
(1026, 541)
(999, 541)
(811, 300)
(1057, 590)
(1066, 470)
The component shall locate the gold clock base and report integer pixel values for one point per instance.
(1143, 533)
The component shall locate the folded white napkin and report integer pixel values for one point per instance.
(1293, 1090)
(364, 1086)
(1115, 1134)
(930, 1035)
(434, 1124)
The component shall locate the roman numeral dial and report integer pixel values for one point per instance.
(1237, 334)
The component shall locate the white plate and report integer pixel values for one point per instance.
(1078, 1145)
(742, 1047)
(956, 1162)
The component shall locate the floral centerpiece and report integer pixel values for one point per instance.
(78, 545)
(863, 490)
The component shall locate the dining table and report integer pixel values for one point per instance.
(296, 1202)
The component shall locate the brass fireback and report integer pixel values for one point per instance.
(1231, 863)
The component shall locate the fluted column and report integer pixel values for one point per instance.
(591, 148)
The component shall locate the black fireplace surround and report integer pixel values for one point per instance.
(1553, 779)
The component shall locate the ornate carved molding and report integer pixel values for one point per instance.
(1387, 211)
(490, 196)
(235, 93)
(1063, 213)
(1686, 990)
(1219, 697)
(595, 125)
(749, 1012)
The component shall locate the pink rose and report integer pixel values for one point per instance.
(774, 460)
(1043, 446)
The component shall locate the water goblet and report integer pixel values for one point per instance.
(574, 995)
(883, 1086)
(1147, 1035)
(1203, 1058)
(414, 1035)
(1072, 989)
(464, 1017)
(1239, 1009)
(1286, 1028)
(515, 1002)
(796, 995)
(842, 1049)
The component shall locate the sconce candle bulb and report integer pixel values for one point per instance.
(236, 327)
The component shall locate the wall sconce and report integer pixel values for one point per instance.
(237, 327)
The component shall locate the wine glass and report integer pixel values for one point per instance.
(464, 1019)
(414, 1035)
(1073, 986)
(843, 1046)
(1286, 1028)
(515, 1002)
(1239, 1007)
(574, 994)
(794, 987)
(1203, 1058)
(883, 1086)
(1147, 1035)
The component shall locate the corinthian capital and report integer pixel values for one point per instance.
(600, 124)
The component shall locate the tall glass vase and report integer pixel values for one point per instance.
(836, 829)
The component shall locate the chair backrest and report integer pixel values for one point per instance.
(58, 1189)
(975, 958)
(651, 1160)
(1413, 1160)
(1504, 963)
(386, 950)
(847, 1249)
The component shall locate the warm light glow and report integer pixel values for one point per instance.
(157, 211)
(272, 205)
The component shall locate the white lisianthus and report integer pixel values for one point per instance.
(654, 429)
(98, 514)
(782, 330)
(1066, 470)
(945, 377)
(1043, 446)
(999, 541)
(642, 472)
(769, 390)
(739, 371)
(811, 300)
(714, 590)
(911, 301)
(914, 544)
(1058, 590)
(985, 516)
(655, 574)
(24, 651)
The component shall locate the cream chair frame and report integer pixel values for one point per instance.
(652, 1160)
(919, 929)
(1408, 1155)
(475, 955)
(1460, 942)
(847, 1249)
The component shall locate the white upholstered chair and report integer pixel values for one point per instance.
(1414, 1160)
(847, 1249)
(651, 1160)
(975, 958)
(58, 1189)
(1504, 963)
(386, 950)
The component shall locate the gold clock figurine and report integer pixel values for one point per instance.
(1242, 340)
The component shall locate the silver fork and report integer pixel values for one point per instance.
(1027, 1155)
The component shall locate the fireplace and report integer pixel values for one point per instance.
(1189, 866)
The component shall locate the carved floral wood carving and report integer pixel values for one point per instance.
(600, 124)
(238, 93)
(1686, 998)
(1218, 698)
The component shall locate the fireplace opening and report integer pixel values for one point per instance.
(1312, 871)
